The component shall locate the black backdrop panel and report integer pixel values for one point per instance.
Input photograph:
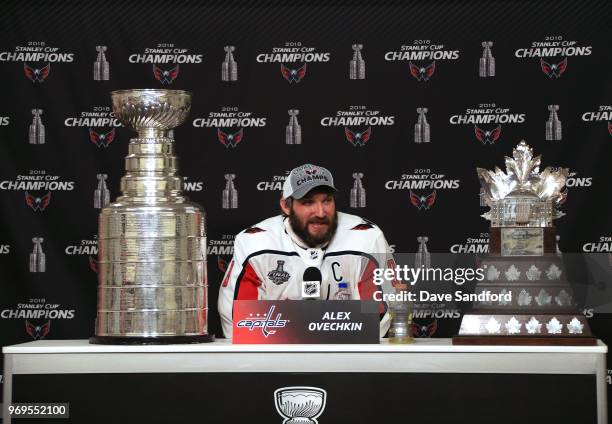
(141, 36)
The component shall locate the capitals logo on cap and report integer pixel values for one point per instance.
(304, 178)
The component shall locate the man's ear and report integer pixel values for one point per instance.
(285, 205)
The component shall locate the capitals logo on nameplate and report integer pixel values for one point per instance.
(423, 57)
(294, 60)
(359, 123)
(485, 121)
(86, 247)
(36, 316)
(555, 55)
(100, 124)
(424, 186)
(603, 113)
(478, 243)
(37, 59)
(166, 60)
(273, 183)
(230, 124)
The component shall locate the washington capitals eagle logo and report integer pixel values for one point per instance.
(426, 330)
(422, 73)
(555, 69)
(487, 136)
(101, 139)
(423, 202)
(230, 140)
(165, 76)
(37, 332)
(293, 75)
(34, 74)
(358, 139)
(38, 203)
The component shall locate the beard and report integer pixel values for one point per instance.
(301, 229)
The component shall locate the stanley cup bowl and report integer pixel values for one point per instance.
(152, 281)
(151, 109)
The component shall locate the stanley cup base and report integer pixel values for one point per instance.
(163, 340)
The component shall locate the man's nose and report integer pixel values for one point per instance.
(319, 210)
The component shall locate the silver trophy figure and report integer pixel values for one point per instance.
(358, 193)
(553, 125)
(101, 194)
(37, 129)
(422, 257)
(487, 61)
(293, 130)
(230, 194)
(421, 128)
(152, 281)
(357, 64)
(37, 256)
(229, 67)
(101, 66)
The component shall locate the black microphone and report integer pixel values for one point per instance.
(311, 283)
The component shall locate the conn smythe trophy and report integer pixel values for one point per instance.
(152, 282)
(535, 303)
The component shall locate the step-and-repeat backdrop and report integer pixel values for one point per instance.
(403, 100)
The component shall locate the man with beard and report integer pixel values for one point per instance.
(271, 257)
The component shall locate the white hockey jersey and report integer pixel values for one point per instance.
(269, 264)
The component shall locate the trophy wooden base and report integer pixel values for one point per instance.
(522, 328)
(523, 341)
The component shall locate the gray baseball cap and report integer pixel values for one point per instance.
(304, 178)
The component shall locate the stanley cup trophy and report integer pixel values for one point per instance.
(101, 193)
(422, 258)
(358, 193)
(487, 61)
(101, 66)
(530, 299)
(37, 129)
(357, 64)
(293, 130)
(421, 128)
(37, 257)
(553, 125)
(152, 281)
(229, 67)
(230, 194)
